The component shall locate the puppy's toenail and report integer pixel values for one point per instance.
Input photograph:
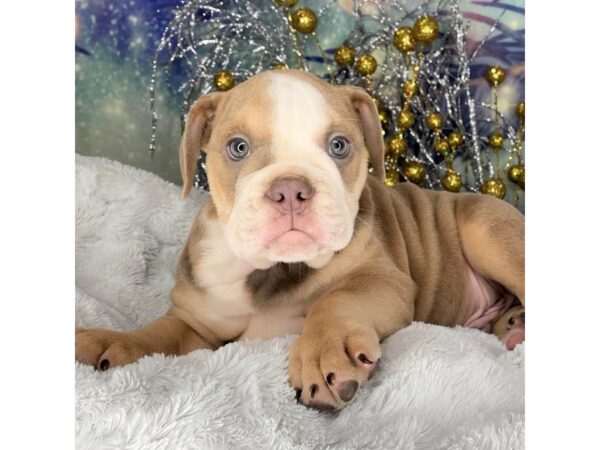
(104, 364)
(298, 394)
(363, 358)
(330, 378)
(347, 390)
(313, 390)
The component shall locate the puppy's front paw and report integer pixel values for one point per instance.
(105, 349)
(327, 368)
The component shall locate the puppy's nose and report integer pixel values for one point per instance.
(291, 194)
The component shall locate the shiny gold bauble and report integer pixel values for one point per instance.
(391, 177)
(344, 55)
(516, 174)
(404, 39)
(434, 121)
(520, 110)
(441, 145)
(223, 80)
(426, 29)
(452, 181)
(397, 145)
(455, 139)
(289, 3)
(279, 66)
(494, 187)
(405, 119)
(496, 141)
(414, 171)
(304, 20)
(410, 87)
(383, 117)
(495, 76)
(366, 65)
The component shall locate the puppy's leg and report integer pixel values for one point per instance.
(104, 349)
(492, 233)
(339, 346)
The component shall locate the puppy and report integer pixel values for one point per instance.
(297, 237)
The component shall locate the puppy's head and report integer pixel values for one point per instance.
(286, 159)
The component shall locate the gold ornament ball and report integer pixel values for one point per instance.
(366, 65)
(452, 181)
(494, 187)
(455, 139)
(441, 145)
(516, 174)
(404, 39)
(405, 119)
(397, 145)
(426, 29)
(391, 177)
(344, 55)
(279, 66)
(434, 121)
(520, 110)
(496, 141)
(495, 76)
(410, 87)
(304, 20)
(223, 80)
(414, 171)
(383, 118)
(288, 3)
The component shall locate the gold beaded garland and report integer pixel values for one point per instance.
(426, 29)
(404, 39)
(383, 118)
(452, 181)
(516, 174)
(414, 171)
(434, 121)
(304, 20)
(223, 80)
(279, 66)
(455, 139)
(496, 141)
(441, 145)
(494, 187)
(520, 110)
(366, 65)
(397, 145)
(405, 119)
(344, 55)
(495, 76)
(391, 177)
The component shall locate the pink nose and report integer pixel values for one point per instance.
(291, 194)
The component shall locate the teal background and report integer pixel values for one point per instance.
(115, 45)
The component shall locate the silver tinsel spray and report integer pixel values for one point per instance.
(247, 37)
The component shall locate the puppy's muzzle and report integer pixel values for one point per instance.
(290, 194)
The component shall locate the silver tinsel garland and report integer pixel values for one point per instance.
(248, 37)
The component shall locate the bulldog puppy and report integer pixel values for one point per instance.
(297, 237)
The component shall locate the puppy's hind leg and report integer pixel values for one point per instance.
(492, 234)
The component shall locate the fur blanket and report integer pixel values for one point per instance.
(436, 387)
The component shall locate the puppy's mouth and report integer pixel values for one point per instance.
(293, 237)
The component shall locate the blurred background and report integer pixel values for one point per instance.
(116, 43)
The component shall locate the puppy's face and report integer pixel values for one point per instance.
(286, 163)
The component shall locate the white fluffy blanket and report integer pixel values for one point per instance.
(436, 388)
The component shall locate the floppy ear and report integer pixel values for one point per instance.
(195, 137)
(371, 127)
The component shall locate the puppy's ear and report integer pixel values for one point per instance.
(198, 126)
(371, 127)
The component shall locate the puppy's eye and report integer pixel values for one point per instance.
(238, 148)
(339, 147)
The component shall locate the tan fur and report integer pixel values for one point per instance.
(407, 259)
